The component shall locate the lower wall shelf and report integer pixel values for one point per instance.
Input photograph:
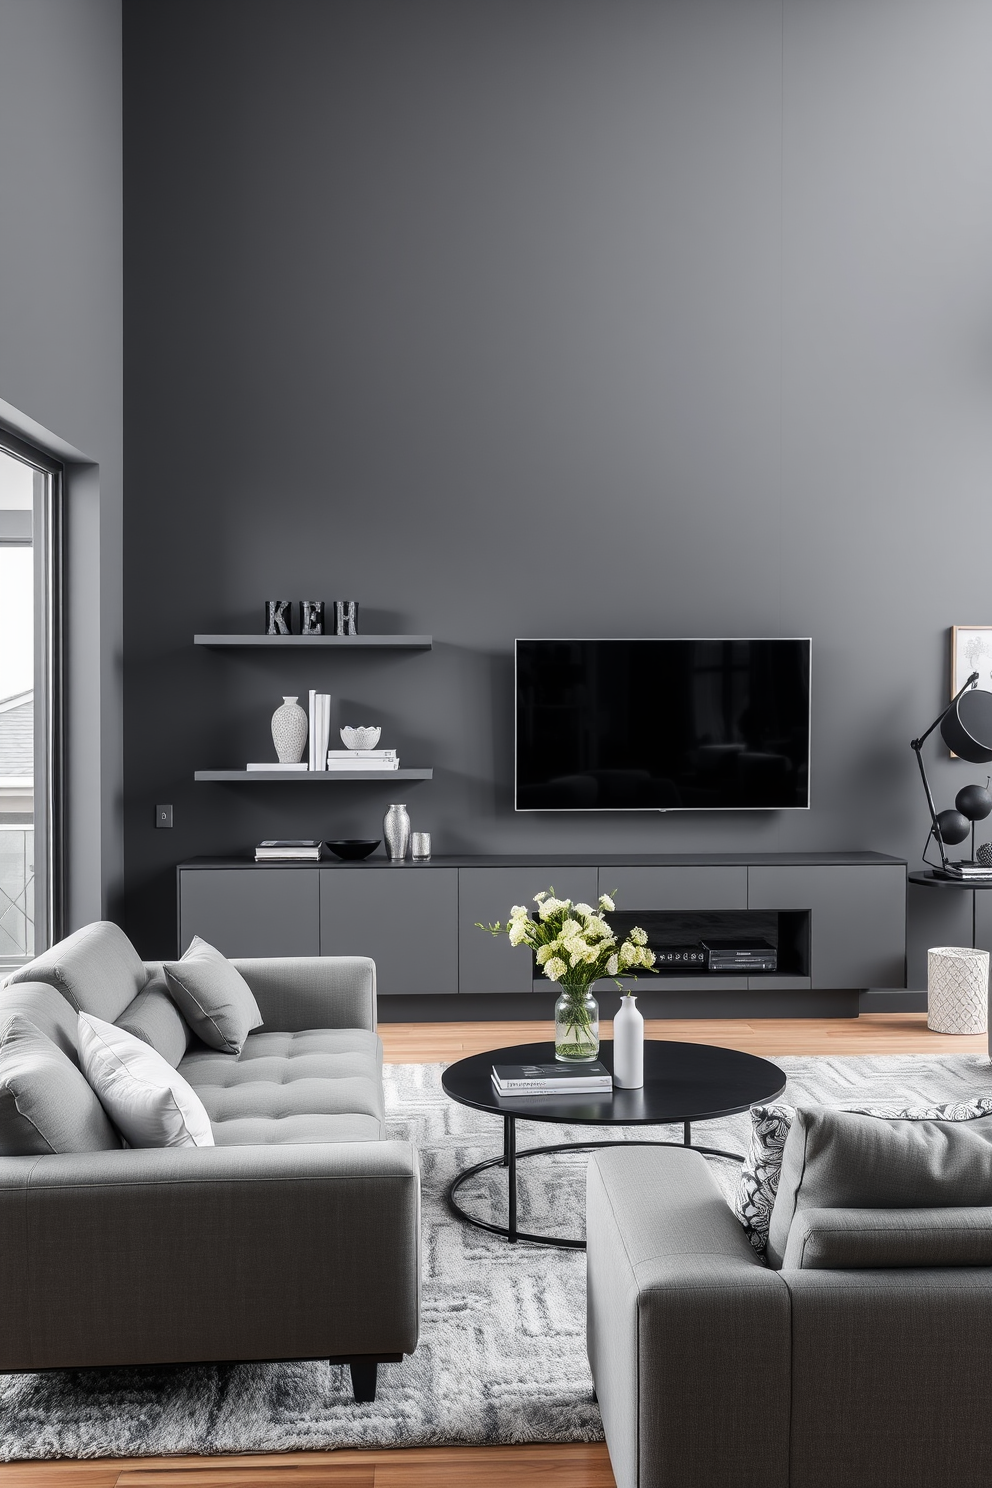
(294, 777)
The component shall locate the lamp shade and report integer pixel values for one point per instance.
(966, 728)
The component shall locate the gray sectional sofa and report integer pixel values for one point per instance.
(295, 1236)
(863, 1361)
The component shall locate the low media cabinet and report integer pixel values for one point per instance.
(837, 921)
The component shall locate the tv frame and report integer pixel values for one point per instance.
(660, 810)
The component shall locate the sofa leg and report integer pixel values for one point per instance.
(363, 1380)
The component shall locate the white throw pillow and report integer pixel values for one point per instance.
(147, 1100)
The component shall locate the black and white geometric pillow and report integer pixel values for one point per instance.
(757, 1183)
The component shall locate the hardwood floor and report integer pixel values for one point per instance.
(577, 1466)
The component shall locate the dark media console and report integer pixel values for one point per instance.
(835, 923)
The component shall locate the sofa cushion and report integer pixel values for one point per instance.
(154, 1017)
(149, 1101)
(46, 1105)
(47, 1009)
(758, 1180)
(847, 1160)
(96, 968)
(217, 1001)
(859, 1239)
(321, 1085)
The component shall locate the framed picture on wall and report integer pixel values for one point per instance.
(971, 651)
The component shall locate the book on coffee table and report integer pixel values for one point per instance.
(551, 1079)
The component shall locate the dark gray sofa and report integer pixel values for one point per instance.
(713, 1369)
(296, 1236)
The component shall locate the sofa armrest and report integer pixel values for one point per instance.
(688, 1332)
(209, 1253)
(297, 992)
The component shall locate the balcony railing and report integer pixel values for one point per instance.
(16, 895)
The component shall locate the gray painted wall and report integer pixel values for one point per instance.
(550, 317)
(61, 368)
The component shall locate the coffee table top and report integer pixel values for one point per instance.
(682, 1082)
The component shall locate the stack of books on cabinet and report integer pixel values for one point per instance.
(289, 850)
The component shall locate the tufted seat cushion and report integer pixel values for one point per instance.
(320, 1085)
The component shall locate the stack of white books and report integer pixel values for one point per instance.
(552, 1079)
(275, 765)
(289, 850)
(362, 759)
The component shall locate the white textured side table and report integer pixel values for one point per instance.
(957, 989)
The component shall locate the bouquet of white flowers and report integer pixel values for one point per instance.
(574, 946)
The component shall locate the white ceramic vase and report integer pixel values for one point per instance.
(628, 1045)
(396, 831)
(289, 731)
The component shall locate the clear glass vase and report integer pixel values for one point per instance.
(576, 1026)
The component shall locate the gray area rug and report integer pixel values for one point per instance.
(502, 1351)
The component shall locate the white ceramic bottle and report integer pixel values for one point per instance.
(628, 1045)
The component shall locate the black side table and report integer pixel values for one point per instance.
(682, 1083)
(931, 880)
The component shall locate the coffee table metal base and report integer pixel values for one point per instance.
(510, 1159)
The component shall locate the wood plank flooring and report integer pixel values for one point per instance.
(575, 1466)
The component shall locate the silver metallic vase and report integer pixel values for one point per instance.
(289, 731)
(396, 831)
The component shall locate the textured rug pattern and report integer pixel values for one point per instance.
(502, 1351)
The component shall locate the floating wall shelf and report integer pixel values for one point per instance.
(311, 777)
(341, 643)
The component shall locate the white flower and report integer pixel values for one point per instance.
(571, 928)
(612, 966)
(555, 968)
(598, 927)
(605, 902)
(647, 958)
(519, 912)
(544, 953)
(639, 936)
(551, 906)
(542, 895)
(627, 954)
(519, 932)
(583, 909)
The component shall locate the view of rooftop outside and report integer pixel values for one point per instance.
(16, 713)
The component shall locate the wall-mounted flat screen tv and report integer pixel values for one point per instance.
(662, 725)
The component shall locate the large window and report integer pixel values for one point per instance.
(31, 889)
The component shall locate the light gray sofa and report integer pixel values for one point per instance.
(713, 1369)
(296, 1236)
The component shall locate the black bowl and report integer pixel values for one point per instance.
(353, 848)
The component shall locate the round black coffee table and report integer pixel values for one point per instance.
(682, 1083)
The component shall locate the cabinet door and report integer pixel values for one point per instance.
(676, 887)
(404, 916)
(857, 919)
(251, 911)
(488, 963)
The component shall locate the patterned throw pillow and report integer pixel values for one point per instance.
(757, 1184)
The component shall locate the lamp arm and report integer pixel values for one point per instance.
(918, 744)
(917, 748)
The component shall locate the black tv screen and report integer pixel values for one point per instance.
(662, 725)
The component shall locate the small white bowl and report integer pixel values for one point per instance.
(360, 738)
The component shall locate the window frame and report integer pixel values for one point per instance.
(47, 539)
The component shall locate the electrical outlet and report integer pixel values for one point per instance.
(163, 816)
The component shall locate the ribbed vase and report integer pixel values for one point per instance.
(396, 831)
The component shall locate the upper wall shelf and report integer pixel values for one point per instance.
(384, 642)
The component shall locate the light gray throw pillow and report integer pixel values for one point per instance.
(757, 1183)
(213, 997)
(846, 1160)
(46, 1104)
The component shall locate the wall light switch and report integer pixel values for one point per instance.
(163, 816)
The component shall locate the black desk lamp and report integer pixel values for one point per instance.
(966, 728)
